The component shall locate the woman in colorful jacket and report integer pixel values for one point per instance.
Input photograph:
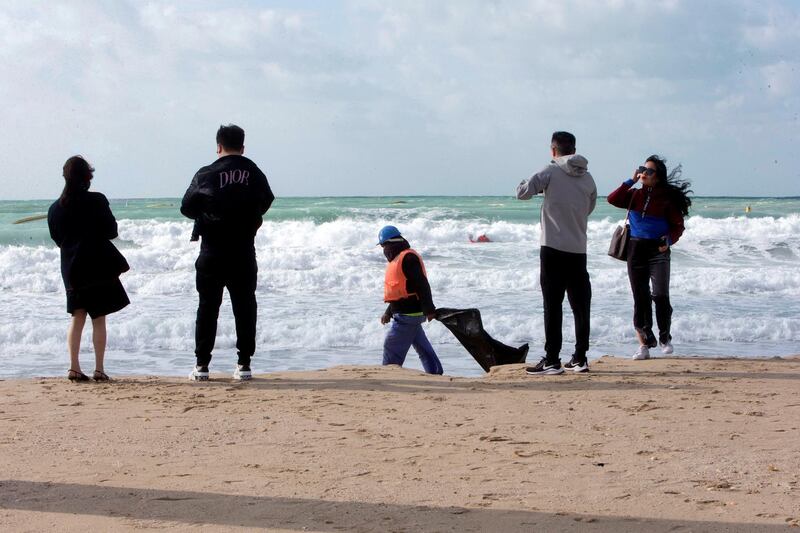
(656, 213)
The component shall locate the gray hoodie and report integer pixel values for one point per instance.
(569, 196)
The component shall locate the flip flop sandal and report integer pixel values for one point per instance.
(76, 375)
(100, 376)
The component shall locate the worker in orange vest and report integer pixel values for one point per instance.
(408, 293)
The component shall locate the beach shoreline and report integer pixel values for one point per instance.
(670, 444)
(733, 283)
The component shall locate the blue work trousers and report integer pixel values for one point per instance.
(405, 332)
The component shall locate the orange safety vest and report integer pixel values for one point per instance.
(394, 285)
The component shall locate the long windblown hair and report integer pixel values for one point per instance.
(78, 174)
(677, 188)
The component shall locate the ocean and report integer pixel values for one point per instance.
(735, 284)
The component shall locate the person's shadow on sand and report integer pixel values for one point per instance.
(124, 504)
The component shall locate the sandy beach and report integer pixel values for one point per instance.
(660, 445)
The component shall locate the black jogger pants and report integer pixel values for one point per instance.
(647, 265)
(564, 272)
(237, 273)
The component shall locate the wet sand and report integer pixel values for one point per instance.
(659, 445)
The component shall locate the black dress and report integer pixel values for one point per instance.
(90, 264)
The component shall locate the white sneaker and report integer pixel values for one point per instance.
(199, 373)
(642, 353)
(666, 348)
(242, 373)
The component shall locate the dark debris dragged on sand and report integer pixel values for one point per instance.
(466, 325)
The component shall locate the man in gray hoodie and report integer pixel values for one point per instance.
(570, 195)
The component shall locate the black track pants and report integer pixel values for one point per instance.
(647, 265)
(238, 275)
(564, 272)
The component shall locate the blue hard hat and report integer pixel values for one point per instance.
(388, 232)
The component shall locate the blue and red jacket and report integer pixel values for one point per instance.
(652, 213)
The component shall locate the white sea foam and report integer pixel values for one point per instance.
(735, 287)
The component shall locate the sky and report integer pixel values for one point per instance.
(368, 98)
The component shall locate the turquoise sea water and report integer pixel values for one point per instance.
(735, 282)
(321, 210)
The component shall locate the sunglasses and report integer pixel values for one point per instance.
(647, 171)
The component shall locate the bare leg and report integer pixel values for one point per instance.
(74, 338)
(99, 341)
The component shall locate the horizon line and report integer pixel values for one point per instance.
(788, 197)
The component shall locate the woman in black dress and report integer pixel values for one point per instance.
(82, 225)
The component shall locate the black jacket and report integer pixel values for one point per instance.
(83, 229)
(417, 283)
(227, 200)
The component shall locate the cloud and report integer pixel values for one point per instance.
(331, 92)
(782, 78)
(774, 28)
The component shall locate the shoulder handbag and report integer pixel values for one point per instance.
(117, 264)
(96, 261)
(618, 249)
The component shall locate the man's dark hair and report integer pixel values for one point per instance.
(231, 138)
(563, 142)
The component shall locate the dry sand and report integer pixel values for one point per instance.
(661, 445)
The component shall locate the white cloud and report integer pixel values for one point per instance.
(782, 78)
(776, 26)
(141, 86)
(730, 101)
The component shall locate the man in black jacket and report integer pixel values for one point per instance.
(227, 201)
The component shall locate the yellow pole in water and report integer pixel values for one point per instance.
(30, 219)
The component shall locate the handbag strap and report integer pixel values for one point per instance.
(630, 202)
